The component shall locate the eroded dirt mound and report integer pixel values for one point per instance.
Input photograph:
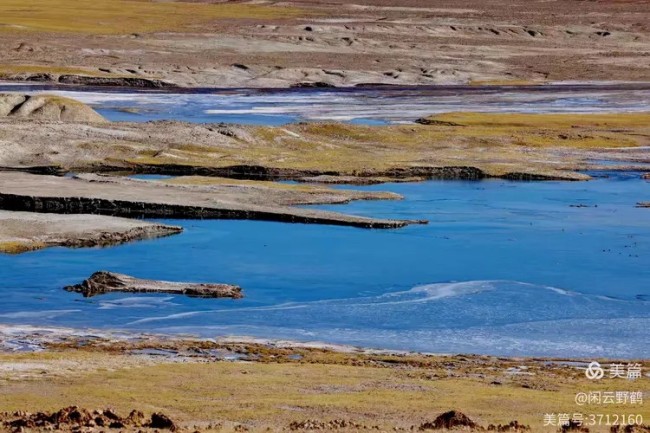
(573, 426)
(73, 417)
(457, 420)
(47, 107)
(450, 420)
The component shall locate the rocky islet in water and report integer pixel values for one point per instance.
(103, 282)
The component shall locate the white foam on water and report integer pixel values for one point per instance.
(433, 292)
(47, 314)
(563, 338)
(137, 302)
(286, 306)
(484, 316)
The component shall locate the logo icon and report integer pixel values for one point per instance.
(594, 371)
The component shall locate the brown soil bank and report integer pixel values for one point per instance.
(92, 194)
(323, 43)
(448, 146)
(26, 231)
(73, 418)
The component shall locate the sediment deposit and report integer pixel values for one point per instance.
(27, 231)
(92, 194)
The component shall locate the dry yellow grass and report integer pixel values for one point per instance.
(400, 393)
(550, 121)
(493, 142)
(553, 145)
(124, 16)
(19, 247)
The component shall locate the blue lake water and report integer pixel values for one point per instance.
(510, 268)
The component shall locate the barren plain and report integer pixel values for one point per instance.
(271, 43)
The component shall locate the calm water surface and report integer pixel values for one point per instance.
(508, 268)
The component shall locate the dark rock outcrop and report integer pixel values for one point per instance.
(48, 170)
(162, 421)
(144, 83)
(258, 172)
(103, 282)
(312, 85)
(573, 426)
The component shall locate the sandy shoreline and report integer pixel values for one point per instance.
(37, 338)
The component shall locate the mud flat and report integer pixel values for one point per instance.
(103, 282)
(26, 231)
(93, 194)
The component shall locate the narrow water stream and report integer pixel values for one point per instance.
(379, 105)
